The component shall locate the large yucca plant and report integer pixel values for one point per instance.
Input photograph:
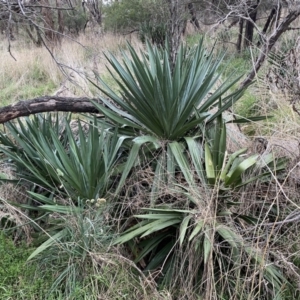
(174, 119)
(156, 106)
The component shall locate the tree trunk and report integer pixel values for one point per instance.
(47, 104)
(249, 30)
(32, 31)
(48, 21)
(267, 25)
(193, 14)
(60, 20)
(240, 36)
(94, 10)
(270, 42)
(270, 18)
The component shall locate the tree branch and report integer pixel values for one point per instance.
(47, 104)
(270, 42)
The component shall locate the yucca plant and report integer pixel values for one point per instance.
(207, 226)
(59, 162)
(73, 171)
(61, 169)
(156, 106)
(174, 120)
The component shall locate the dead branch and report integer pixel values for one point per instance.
(47, 104)
(269, 42)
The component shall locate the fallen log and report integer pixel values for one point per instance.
(47, 104)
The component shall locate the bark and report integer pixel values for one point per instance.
(240, 36)
(248, 38)
(33, 29)
(270, 18)
(47, 104)
(48, 21)
(193, 14)
(267, 24)
(60, 19)
(94, 10)
(278, 14)
(270, 42)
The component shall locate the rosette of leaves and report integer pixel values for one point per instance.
(173, 118)
(47, 154)
(157, 105)
(63, 171)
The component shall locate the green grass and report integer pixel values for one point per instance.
(20, 280)
(247, 107)
(17, 278)
(33, 83)
(13, 93)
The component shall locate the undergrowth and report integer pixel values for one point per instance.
(158, 208)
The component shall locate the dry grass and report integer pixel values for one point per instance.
(258, 199)
(12, 216)
(9, 214)
(35, 72)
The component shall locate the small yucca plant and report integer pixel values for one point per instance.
(46, 153)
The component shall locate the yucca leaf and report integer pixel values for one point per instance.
(160, 256)
(115, 117)
(41, 198)
(209, 165)
(197, 229)
(161, 225)
(52, 240)
(177, 151)
(145, 228)
(183, 228)
(165, 210)
(271, 272)
(207, 247)
(231, 159)
(136, 226)
(126, 236)
(229, 236)
(249, 119)
(158, 216)
(249, 219)
(234, 175)
(171, 167)
(216, 139)
(197, 155)
(159, 178)
(222, 146)
(149, 245)
(132, 158)
(61, 209)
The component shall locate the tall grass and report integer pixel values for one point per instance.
(29, 71)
